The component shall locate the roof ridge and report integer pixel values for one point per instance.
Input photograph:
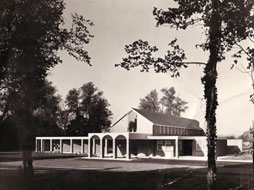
(158, 118)
(167, 114)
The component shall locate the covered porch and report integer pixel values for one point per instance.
(175, 147)
(112, 145)
(78, 145)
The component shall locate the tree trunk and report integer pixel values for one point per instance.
(253, 148)
(26, 136)
(210, 94)
(27, 161)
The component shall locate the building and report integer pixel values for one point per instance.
(138, 133)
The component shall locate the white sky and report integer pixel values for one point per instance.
(121, 22)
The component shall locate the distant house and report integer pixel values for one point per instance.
(138, 133)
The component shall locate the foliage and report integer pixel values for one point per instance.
(173, 105)
(87, 111)
(226, 23)
(47, 115)
(247, 53)
(31, 33)
(44, 120)
(150, 102)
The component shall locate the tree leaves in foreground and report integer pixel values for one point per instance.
(226, 23)
(31, 34)
(87, 111)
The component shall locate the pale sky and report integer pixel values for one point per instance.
(121, 22)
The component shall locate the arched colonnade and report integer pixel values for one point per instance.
(109, 145)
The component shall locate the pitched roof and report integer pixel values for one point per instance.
(169, 120)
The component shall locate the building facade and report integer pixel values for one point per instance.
(138, 133)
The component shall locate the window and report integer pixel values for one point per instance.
(168, 143)
(159, 145)
(180, 145)
(160, 128)
(177, 131)
(174, 131)
(198, 148)
(168, 130)
(164, 130)
(171, 131)
(168, 146)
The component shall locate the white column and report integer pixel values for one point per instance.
(114, 148)
(71, 146)
(106, 147)
(82, 146)
(61, 146)
(36, 145)
(94, 147)
(176, 145)
(41, 145)
(101, 148)
(89, 148)
(128, 149)
(50, 145)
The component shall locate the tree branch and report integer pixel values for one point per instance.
(194, 63)
(244, 50)
(3, 116)
(251, 39)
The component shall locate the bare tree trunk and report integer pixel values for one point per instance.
(27, 161)
(210, 94)
(26, 135)
(253, 148)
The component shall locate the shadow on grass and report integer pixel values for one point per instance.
(235, 176)
(17, 156)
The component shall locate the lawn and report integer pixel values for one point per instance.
(230, 176)
(243, 156)
(15, 156)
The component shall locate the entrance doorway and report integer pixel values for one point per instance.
(187, 147)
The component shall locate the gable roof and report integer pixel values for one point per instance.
(169, 120)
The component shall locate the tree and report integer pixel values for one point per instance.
(226, 24)
(252, 132)
(150, 102)
(248, 53)
(174, 105)
(88, 111)
(31, 33)
(47, 115)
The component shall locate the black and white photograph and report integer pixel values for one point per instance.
(126, 94)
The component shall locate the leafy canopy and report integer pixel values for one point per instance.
(150, 102)
(87, 110)
(31, 33)
(169, 102)
(237, 23)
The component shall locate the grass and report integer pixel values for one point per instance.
(230, 176)
(17, 156)
(243, 156)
